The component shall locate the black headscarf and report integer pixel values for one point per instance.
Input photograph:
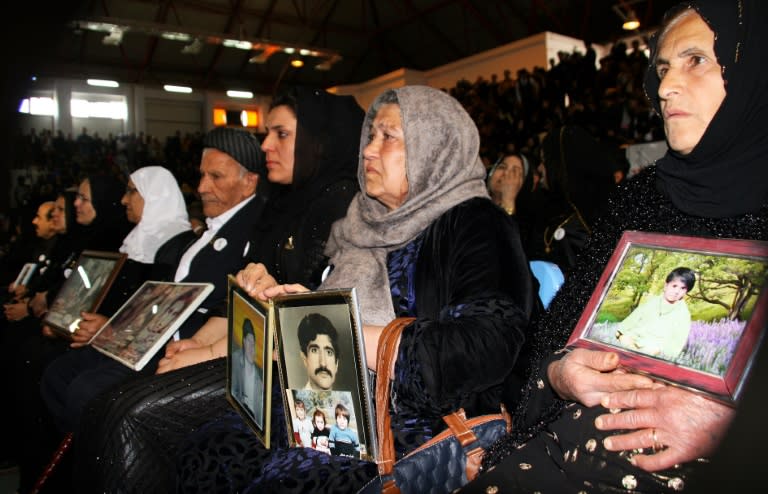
(726, 173)
(327, 138)
(110, 226)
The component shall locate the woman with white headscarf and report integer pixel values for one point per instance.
(154, 195)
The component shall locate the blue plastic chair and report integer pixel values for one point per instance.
(550, 279)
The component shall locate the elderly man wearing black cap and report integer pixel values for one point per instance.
(231, 164)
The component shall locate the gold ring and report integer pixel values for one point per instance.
(657, 446)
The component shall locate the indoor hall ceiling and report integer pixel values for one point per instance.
(372, 37)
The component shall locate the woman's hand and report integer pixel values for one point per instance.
(90, 323)
(254, 279)
(283, 290)
(679, 424)
(587, 376)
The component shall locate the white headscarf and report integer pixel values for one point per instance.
(164, 215)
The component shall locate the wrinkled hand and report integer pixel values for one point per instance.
(16, 312)
(90, 323)
(587, 376)
(39, 304)
(283, 290)
(689, 425)
(254, 279)
(184, 358)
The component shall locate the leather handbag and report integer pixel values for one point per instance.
(444, 463)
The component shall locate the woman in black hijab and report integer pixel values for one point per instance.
(576, 179)
(708, 81)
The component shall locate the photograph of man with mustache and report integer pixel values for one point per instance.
(318, 340)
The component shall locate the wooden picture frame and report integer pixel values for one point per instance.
(84, 289)
(630, 312)
(249, 370)
(329, 376)
(147, 320)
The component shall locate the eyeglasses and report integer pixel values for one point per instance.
(82, 197)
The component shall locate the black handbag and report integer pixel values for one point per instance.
(444, 463)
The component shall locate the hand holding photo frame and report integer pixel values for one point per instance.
(689, 311)
(83, 290)
(147, 320)
(321, 369)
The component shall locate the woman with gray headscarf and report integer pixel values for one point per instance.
(424, 240)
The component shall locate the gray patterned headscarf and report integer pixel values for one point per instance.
(443, 169)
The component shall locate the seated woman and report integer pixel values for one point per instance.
(576, 177)
(510, 182)
(422, 240)
(706, 79)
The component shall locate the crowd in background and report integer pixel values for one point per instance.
(513, 114)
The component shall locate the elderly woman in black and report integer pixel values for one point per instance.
(422, 239)
(708, 81)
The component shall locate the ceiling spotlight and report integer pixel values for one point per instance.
(624, 10)
(239, 94)
(267, 51)
(297, 62)
(102, 83)
(174, 36)
(237, 43)
(177, 89)
(631, 23)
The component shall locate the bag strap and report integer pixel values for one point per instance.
(385, 356)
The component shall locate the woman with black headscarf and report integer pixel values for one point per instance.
(708, 81)
(576, 179)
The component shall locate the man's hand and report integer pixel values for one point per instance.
(90, 323)
(254, 279)
(587, 376)
(679, 424)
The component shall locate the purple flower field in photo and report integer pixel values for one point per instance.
(710, 344)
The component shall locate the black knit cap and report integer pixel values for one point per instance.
(241, 145)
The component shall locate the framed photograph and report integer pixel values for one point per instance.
(249, 359)
(85, 287)
(323, 373)
(689, 311)
(135, 333)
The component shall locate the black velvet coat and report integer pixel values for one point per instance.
(474, 300)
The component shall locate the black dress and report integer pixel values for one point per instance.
(564, 451)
